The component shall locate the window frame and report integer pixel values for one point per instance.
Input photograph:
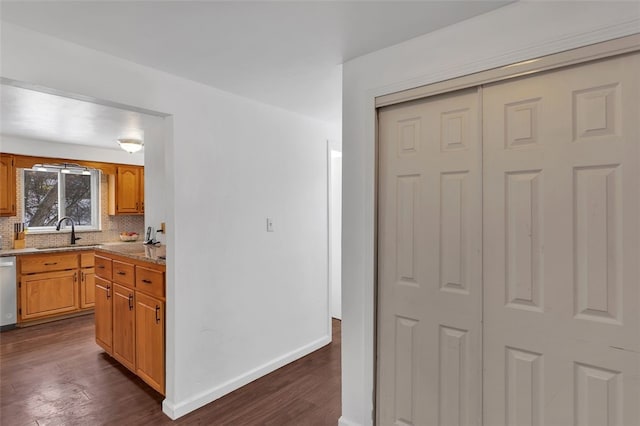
(96, 210)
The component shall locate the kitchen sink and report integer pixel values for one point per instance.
(69, 247)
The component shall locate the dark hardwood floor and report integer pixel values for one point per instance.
(55, 374)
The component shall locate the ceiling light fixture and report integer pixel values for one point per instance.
(131, 145)
(66, 168)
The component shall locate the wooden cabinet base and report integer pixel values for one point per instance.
(53, 286)
(150, 340)
(129, 304)
(124, 331)
(49, 293)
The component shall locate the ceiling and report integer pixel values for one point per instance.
(286, 54)
(48, 117)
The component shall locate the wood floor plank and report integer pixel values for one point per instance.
(55, 374)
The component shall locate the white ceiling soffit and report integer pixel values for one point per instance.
(285, 54)
(48, 117)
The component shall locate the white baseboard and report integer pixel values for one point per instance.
(345, 422)
(169, 408)
(175, 410)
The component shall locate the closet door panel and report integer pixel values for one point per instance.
(561, 246)
(430, 294)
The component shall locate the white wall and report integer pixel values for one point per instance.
(155, 179)
(514, 33)
(240, 301)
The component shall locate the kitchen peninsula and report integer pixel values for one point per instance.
(130, 307)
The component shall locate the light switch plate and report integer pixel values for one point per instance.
(269, 224)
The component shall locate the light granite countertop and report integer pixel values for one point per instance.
(138, 251)
(135, 250)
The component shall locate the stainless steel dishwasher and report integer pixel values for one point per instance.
(8, 300)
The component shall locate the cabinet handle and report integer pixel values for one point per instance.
(81, 276)
(100, 266)
(50, 263)
(108, 292)
(136, 206)
(121, 273)
(131, 302)
(157, 314)
(146, 281)
(75, 277)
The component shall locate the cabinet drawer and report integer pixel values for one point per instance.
(103, 267)
(87, 259)
(123, 273)
(48, 263)
(150, 281)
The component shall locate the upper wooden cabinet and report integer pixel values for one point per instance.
(126, 190)
(7, 185)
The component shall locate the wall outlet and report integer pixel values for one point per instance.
(269, 224)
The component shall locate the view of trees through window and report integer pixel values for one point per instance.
(77, 198)
(50, 195)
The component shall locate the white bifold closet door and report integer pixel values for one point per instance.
(430, 270)
(509, 252)
(561, 247)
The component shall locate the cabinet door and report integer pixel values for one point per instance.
(150, 340)
(104, 314)
(141, 186)
(128, 190)
(87, 287)
(48, 294)
(8, 185)
(124, 337)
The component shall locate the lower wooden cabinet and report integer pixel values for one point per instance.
(104, 314)
(124, 332)
(54, 285)
(48, 294)
(150, 340)
(87, 288)
(129, 310)
(87, 282)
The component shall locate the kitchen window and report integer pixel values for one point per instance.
(53, 192)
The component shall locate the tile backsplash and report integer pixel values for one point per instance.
(111, 225)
